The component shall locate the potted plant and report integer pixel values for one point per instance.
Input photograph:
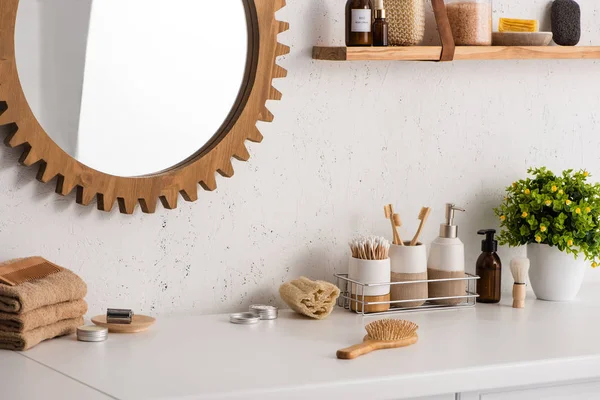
(558, 218)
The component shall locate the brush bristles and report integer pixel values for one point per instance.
(387, 209)
(391, 329)
(519, 267)
(424, 214)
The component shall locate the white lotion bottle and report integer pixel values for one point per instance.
(447, 260)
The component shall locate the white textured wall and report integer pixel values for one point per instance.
(348, 137)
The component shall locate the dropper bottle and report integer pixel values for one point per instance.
(380, 25)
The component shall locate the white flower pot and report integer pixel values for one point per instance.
(554, 275)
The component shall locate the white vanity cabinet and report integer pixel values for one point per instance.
(589, 390)
(490, 352)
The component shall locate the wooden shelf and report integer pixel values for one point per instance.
(432, 53)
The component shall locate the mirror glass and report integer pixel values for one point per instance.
(131, 87)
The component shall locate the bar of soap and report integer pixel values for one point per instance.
(566, 22)
(518, 25)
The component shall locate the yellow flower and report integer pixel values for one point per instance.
(503, 218)
(560, 191)
(527, 191)
(514, 184)
(594, 265)
(524, 215)
(569, 243)
(578, 211)
(542, 228)
(554, 188)
(586, 174)
(588, 210)
(568, 202)
(538, 238)
(548, 203)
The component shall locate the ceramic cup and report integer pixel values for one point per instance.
(409, 263)
(369, 271)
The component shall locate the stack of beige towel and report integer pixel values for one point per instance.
(41, 309)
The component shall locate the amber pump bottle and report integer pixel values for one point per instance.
(359, 19)
(489, 269)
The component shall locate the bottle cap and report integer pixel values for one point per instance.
(379, 13)
(489, 245)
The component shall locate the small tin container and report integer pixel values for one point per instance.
(265, 312)
(245, 318)
(92, 333)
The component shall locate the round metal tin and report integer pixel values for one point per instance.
(264, 312)
(92, 333)
(245, 318)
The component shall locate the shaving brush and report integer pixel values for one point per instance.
(520, 269)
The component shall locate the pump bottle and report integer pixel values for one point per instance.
(447, 260)
(489, 269)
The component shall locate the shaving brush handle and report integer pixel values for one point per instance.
(519, 294)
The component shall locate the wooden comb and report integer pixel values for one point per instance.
(22, 270)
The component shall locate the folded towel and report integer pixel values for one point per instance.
(26, 340)
(56, 288)
(42, 316)
(314, 299)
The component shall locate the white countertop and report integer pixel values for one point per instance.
(25, 379)
(198, 357)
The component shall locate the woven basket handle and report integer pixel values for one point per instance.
(443, 24)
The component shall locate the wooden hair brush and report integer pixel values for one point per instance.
(383, 334)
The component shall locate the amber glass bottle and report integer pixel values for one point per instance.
(359, 18)
(380, 28)
(489, 269)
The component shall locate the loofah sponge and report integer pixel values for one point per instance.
(566, 22)
(314, 299)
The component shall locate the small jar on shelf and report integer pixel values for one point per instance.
(471, 21)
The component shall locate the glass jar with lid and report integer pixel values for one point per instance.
(471, 21)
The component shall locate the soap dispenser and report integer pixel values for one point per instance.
(447, 260)
(489, 269)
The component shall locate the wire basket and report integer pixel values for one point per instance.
(467, 300)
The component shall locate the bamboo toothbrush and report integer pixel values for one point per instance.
(423, 215)
(520, 269)
(389, 214)
(398, 224)
(383, 334)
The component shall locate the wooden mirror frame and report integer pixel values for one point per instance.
(24, 130)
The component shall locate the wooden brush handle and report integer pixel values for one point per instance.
(519, 294)
(357, 350)
(368, 346)
(394, 231)
(416, 238)
(399, 242)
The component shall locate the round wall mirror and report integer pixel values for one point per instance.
(130, 87)
(133, 101)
